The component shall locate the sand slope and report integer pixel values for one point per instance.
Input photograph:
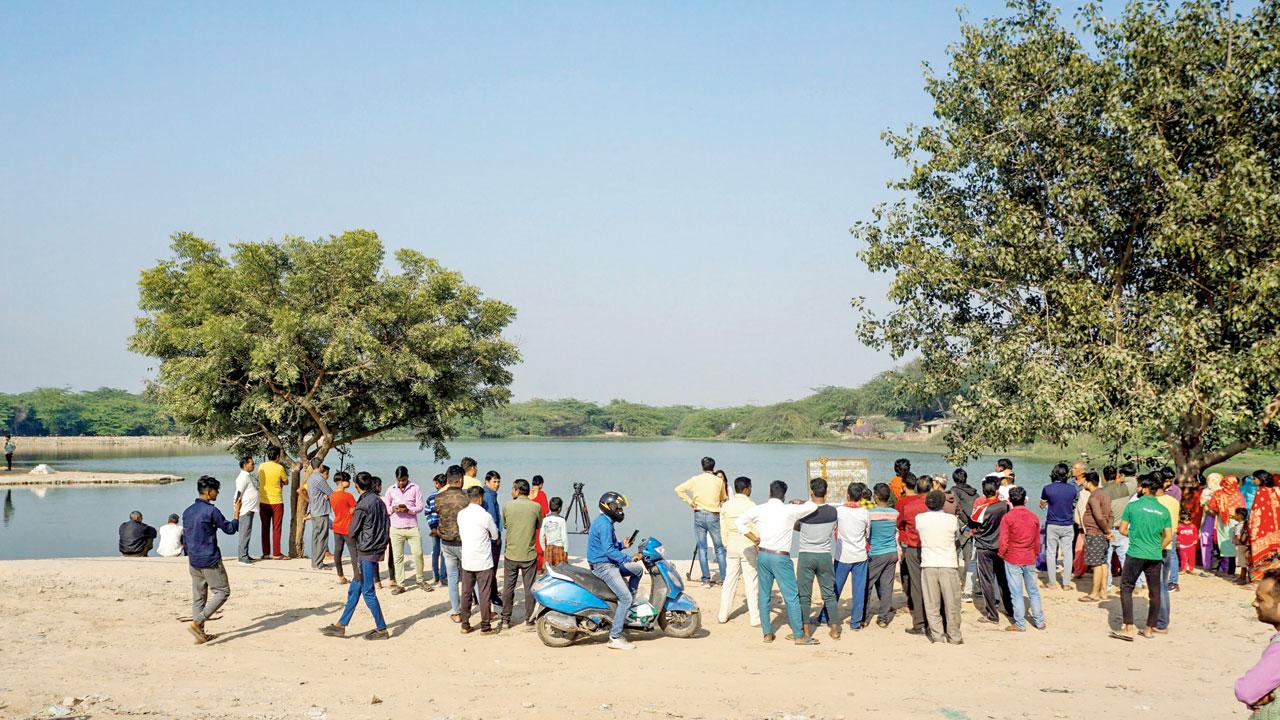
(106, 630)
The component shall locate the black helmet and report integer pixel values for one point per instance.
(613, 505)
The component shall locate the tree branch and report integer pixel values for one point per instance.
(1226, 453)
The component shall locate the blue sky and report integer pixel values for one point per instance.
(663, 190)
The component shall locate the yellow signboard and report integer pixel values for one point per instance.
(839, 474)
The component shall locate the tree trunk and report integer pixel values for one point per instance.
(295, 519)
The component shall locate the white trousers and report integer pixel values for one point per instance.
(741, 565)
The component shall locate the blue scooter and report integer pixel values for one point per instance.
(572, 601)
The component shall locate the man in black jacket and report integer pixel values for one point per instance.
(985, 522)
(370, 533)
(136, 537)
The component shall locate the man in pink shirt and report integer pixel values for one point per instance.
(404, 503)
(1019, 546)
(1256, 689)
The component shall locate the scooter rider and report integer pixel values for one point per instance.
(611, 564)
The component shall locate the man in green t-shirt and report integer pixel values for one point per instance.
(1147, 524)
(521, 519)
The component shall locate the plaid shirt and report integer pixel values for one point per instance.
(433, 517)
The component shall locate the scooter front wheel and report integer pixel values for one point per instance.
(552, 636)
(680, 624)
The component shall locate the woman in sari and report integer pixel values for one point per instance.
(1250, 488)
(1222, 507)
(1208, 530)
(1264, 527)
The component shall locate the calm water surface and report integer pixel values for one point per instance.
(83, 521)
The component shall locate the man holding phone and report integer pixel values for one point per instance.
(611, 564)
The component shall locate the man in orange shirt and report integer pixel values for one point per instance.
(901, 469)
(342, 504)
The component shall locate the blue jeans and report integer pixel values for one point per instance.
(1119, 546)
(452, 565)
(623, 581)
(857, 572)
(364, 586)
(771, 567)
(1018, 577)
(704, 524)
(1174, 564)
(437, 561)
(1170, 569)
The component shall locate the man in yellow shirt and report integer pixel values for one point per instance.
(272, 477)
(469, 479)
(705, 493)
(1170, 553)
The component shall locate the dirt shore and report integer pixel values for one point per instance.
(105, 631)
(81, 477)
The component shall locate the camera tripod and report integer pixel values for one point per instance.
(577, 515)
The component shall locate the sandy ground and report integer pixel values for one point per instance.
(106, 631)
(81, 477)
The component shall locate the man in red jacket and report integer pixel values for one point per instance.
(1019, 546)
(911, 505)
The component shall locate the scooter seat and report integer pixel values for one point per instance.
(587, 580)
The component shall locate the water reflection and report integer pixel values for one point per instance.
(8, 507)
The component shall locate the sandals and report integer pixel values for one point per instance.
(1089, 598)
(770, 637)
(1116, 634)
(808, 641)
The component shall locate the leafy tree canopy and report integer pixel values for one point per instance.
(1087, 239)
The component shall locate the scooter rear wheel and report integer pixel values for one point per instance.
(680, 624)
(551, 636)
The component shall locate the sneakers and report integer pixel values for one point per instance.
(333, 631)
(621, 643)
(967, 597)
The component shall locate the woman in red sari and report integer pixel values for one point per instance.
(537, 495)
(1264, 527)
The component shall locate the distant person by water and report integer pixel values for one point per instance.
(272, 477)
(247, 491)
(170, 538)
(9, 449)
(200, 525)
(705, 494)
(136, 537)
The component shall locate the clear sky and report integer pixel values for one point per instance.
(663, 190)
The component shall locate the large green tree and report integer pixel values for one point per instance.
(1087, 234)
(312, 345)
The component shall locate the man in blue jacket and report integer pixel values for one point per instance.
(609, 562)
(200, 525)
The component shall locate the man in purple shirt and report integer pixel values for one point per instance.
(1256, 688)
(404, 502)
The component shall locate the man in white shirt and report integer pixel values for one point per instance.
(741, 552)
(477, 531)
(1004, 476)
(247, 491)
(170, 538)
(938, 574)
(853, 527)
(774, 528)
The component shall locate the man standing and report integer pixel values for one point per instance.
(1150, 531)
(403, 502)
(705, 493)
(899, 484)
(200, 525)
(1257, 688)
(965, 495)
(774, 529)
(1169, 563)
(492, 483)
(1019, 546)
(478, 533)
(882, 554)
(433, 528)
(1117, 492)
(469, 470)
(521, 519)
(247, 491)
(993, 585)
(1003, 476)
(272, 477)
(741, 554)
(449, 502)
(1096, 521)
(911, 505)
(136, 537)
(343, 505)
(320, 510)
(369, 532)
(853, 525)
(9, 448)
(816, 545)
(938, 571)
(1059, 496)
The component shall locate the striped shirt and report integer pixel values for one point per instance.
(884, 531)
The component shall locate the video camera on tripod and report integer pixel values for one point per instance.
(577, 515)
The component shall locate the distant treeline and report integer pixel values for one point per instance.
(105, 411)
(887, 403)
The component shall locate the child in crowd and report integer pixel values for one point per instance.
(554, 535)
(1188, 542)
(1239, 529)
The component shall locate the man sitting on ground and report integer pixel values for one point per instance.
(136, 537)
(170, 538)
